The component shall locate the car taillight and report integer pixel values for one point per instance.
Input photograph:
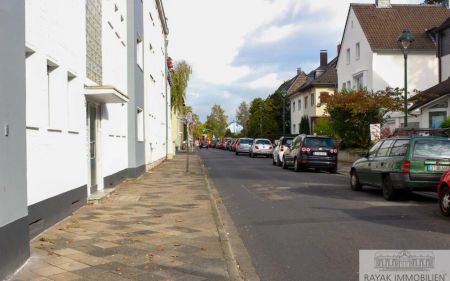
(270, 147)
(306, 149)
(333, 150)
(406, 167)
(257, 147)
(282, 148)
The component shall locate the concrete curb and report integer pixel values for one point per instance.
(239, 263)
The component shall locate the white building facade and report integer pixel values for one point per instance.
(370, 55)
(75, 112)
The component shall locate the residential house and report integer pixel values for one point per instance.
(73, 112)
(14, 249)
(433, 104)
(292, 85)
(370, 55)
(310, 99)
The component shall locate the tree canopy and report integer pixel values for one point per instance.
(216, 121)
(242, 116)
(180, 78)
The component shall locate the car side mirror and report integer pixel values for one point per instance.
(364, 154)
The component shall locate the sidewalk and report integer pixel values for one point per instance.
(159, 227)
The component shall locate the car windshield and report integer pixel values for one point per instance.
(246, 141)
(263, 142)
(319, 142)
(431, 149)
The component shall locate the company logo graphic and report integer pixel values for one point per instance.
(404, 260)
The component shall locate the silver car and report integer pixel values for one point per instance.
(261, 147)
(281, 146)
(243, 145)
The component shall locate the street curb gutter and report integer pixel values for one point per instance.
(239, 263)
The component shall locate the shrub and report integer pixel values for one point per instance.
(304, 126)
(323, 126)
(445, 123)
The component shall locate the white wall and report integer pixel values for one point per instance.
(297, 114)
(445, 63)
(154, 85)
(388, 70)
(352, 35)
(13, 181)
(56, 134)
(114, 130)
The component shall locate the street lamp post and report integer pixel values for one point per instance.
(405, 39)
(284, 95)
(260, 118)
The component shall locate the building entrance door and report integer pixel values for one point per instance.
(92, 121)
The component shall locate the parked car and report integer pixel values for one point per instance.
(229, 142)
(233, 145)
(214, 143)
(443, 192)
(310, 151)
(261, 147)
(281, 145)
(225, 143)
(408, 163)
(243, 145)
(203, 144)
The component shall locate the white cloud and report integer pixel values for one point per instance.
(268, 81)
(276, 33)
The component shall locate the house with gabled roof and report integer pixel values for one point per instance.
(310, 99)
(433, 103)
(370, 55)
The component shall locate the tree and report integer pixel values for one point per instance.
(180, 78)
(216, 122)
(304, 126)
(242, 116)
(322, 126)
(352, 112)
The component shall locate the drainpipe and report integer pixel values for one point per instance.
(166, 42)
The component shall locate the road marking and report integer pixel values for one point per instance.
(391, 204)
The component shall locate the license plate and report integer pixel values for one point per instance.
(320, 153)
(437, 168)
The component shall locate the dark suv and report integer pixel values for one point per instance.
(308, 151)
(412, 163)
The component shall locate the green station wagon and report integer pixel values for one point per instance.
(409, 163)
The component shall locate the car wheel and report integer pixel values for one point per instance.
(444, 202)
(297, 167)
(285, 166)
(237, 153)
(273, 161)
(355, 185)
(389, 193)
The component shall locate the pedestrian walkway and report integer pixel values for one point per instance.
(158, 227)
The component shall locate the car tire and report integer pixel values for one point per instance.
(297, 167)
(444, 201)
(237, 153)
(355, 185)
(273, 161)
(389, 193)
(285, 166)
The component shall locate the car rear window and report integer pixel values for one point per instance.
(263, 142)
(319, 142)
(246, 141)
(287, 141)
(431, 149)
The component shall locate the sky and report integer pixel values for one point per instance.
(243, 49)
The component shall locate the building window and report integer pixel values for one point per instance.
(348, 56)
(293, 106)
(358, 51)
(140, 124)
(344, 86)
(359, 81)
(139, 52)
(299, 104)
(293, 128)
(324, 96)
(306, 102)
(313, 100)
(436, 118)
(349, 85)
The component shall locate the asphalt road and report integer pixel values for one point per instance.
(310, 225)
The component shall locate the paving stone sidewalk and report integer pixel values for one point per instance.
(159, 227)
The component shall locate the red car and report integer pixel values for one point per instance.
(443, 192)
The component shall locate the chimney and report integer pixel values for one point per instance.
(323, 57)
(299, 70)
(383, 3)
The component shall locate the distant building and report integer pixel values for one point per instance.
(370, 55)
(310, 99)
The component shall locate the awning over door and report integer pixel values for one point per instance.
(104, 94)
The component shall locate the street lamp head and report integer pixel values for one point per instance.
(406, 38)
